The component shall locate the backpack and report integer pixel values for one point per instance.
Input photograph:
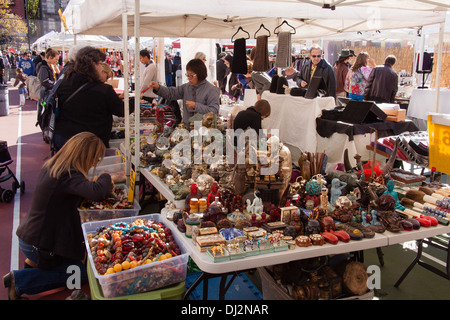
(48, 111)
(34, 87)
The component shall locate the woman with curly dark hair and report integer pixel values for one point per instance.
(85, 102)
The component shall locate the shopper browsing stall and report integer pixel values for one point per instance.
(198, 95)
(341, 68)
(50, 236)
(358, 76)
(46, 69)
(92, 107)
(382, 85)
(252, 117)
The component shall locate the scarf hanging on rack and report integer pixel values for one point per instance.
(239, 57)
(261, 62)
(284, 56)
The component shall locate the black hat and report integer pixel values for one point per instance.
(352, 53)
(345, 53)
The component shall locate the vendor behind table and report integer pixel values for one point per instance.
(198, 95)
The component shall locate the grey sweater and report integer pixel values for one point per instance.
(206, 98)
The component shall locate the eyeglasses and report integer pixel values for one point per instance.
(190, 76)
(313, 56)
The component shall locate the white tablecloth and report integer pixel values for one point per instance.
(422, 103)
(295, 118)
(335, 146)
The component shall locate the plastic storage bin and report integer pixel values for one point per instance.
(173, 292)
(111, 152)
(89, 215)
(117, 172)
(143, 278)
(107, 161)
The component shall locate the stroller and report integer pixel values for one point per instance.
(7, 195)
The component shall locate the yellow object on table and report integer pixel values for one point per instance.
(439, 142)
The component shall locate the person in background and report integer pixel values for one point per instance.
(71, 56)
(2, 69)
(199, 95)
(244, 82)
(26, 64)
(39, 59)
(222, 69)
(252, 117)
(50, 236)
(317, 66)
(106, 73)
(382, 85)
(168, 65)
(150, 74)
(200, 55)
(8, 67)
(341, 68)
(20, 79)
(46, 69)
(91, 109)
(291, 74)
(176, 67)
(261, 80)
(358, 76)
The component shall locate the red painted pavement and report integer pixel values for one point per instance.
(34, 152)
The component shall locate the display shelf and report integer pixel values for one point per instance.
(163, 188)
(423, 232)
(205, 263)
(249, 262)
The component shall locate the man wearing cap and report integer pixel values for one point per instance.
(318, 66)
(341, 68)
(222, 66)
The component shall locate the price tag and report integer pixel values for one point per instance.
(132, 185)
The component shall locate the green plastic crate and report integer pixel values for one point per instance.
(173, 292)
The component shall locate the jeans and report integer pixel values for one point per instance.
(34, 280)
(355, 97)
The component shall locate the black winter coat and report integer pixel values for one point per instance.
(53, 221)
(324, 69)
(91, 109)
(382, 85)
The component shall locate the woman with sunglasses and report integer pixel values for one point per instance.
(198, 95)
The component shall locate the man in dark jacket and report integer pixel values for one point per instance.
(222, 67)
(317, 66)
(382, 85)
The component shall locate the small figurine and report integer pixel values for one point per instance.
(390, 190)
(193, 194)
(297, 224)
(214, 193)
(253, 221)
(257, 206)
(336, 189)
(324, 199)
(263, 220)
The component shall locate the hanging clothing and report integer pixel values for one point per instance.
(261, 62)
(284, 55)
(239, 57)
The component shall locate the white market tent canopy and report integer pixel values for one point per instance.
(220, 19)
(60, 40)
